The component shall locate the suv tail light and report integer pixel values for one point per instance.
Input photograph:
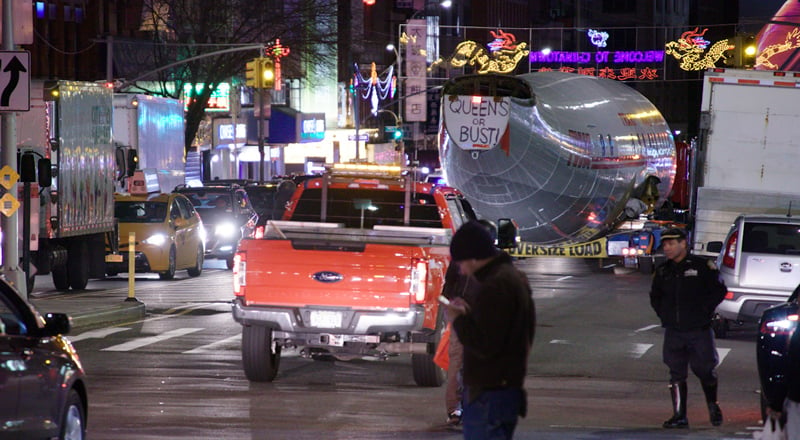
(729, 255)
(419, 280)
(783, 326)
(239, 273)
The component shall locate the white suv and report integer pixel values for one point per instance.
(760, 263)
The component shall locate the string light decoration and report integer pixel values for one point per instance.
(690, 49)
(791, 42)
(373, 88)
(597, 38)
(503, 55)
(276, 51)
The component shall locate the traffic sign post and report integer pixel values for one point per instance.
(15, 81)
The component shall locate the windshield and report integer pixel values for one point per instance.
(140, 212)
(368, 207)
(210, 200)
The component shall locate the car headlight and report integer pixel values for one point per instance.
(227, 230)
(155, 240)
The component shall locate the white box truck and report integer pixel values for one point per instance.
(748, 151)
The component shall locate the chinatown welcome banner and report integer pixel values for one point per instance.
(588, 249)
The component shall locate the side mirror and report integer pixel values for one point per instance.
(45, 169)
(714, 247)
(507, 233)
(56, 324)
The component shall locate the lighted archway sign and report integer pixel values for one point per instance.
(373, 88)
(598, 38)
(276, 51)
(690, 50)
(502, 57)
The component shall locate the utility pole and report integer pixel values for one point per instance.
(10, 223)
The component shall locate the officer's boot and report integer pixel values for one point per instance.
(714, 413)
(678, 420)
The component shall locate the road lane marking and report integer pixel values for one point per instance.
(564, 278)
(646, 328)
(141, 342)
(721, 353)
(638, 350)
(560, 341)
(212, 347)
(97, 334)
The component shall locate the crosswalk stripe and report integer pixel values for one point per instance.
(638, 350)
(212, 346)
(722, 352)
(97, 334)
(141, 342)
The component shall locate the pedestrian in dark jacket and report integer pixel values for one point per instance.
(496, 329)
(685, 292)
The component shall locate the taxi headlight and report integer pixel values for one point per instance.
(227, 230)
(155, 240)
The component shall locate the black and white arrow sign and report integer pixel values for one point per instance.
(15, 81)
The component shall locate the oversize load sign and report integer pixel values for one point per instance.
(589, 249)
(476, 122)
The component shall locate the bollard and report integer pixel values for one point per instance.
(131, 266)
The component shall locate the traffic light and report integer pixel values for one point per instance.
(749, 50)
(252, 73)
(267, 73)
(743, 54)
(398, 134)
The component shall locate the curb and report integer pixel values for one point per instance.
(130, 311)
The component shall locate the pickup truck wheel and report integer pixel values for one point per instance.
(229, 262)
(426, 372)
(720, 326)
(260, 358)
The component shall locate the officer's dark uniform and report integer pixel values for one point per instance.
(684, 296)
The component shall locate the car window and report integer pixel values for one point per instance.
(10, 322)
(771, 238)
(140, 212)
(186, 207)
(175, 210)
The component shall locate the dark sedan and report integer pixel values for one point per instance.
(776, 327)
(42, 383)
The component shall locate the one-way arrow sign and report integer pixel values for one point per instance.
(15, 81)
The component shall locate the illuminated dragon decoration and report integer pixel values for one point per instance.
(792, 42)
(690, 49)
(503, 56)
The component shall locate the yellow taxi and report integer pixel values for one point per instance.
(169, 234)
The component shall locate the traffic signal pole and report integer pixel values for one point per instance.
(10, 223)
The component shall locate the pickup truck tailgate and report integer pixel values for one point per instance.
(357, 275)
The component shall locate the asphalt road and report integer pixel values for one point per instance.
(595, 371)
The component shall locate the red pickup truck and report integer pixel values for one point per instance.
(354, 269)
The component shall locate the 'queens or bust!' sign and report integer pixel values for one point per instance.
(476, 122)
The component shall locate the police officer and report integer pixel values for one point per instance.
(685, 291)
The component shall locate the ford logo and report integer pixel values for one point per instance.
(327, 277)
(786, 267)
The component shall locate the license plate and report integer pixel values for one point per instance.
(325, 319)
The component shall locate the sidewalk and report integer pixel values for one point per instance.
(89, 308)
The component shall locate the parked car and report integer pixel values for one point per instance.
(227, 215)
(760, 264)
(170, 235)
(43, 390)
(777, 325)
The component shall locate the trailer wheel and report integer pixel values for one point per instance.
(78, 265)
(198, 266)
(260, 357)
(170, 272)
(60, 277)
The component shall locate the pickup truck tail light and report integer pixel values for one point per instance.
(258, 233)
(239, 273)
(419, 280)
(729, 255)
